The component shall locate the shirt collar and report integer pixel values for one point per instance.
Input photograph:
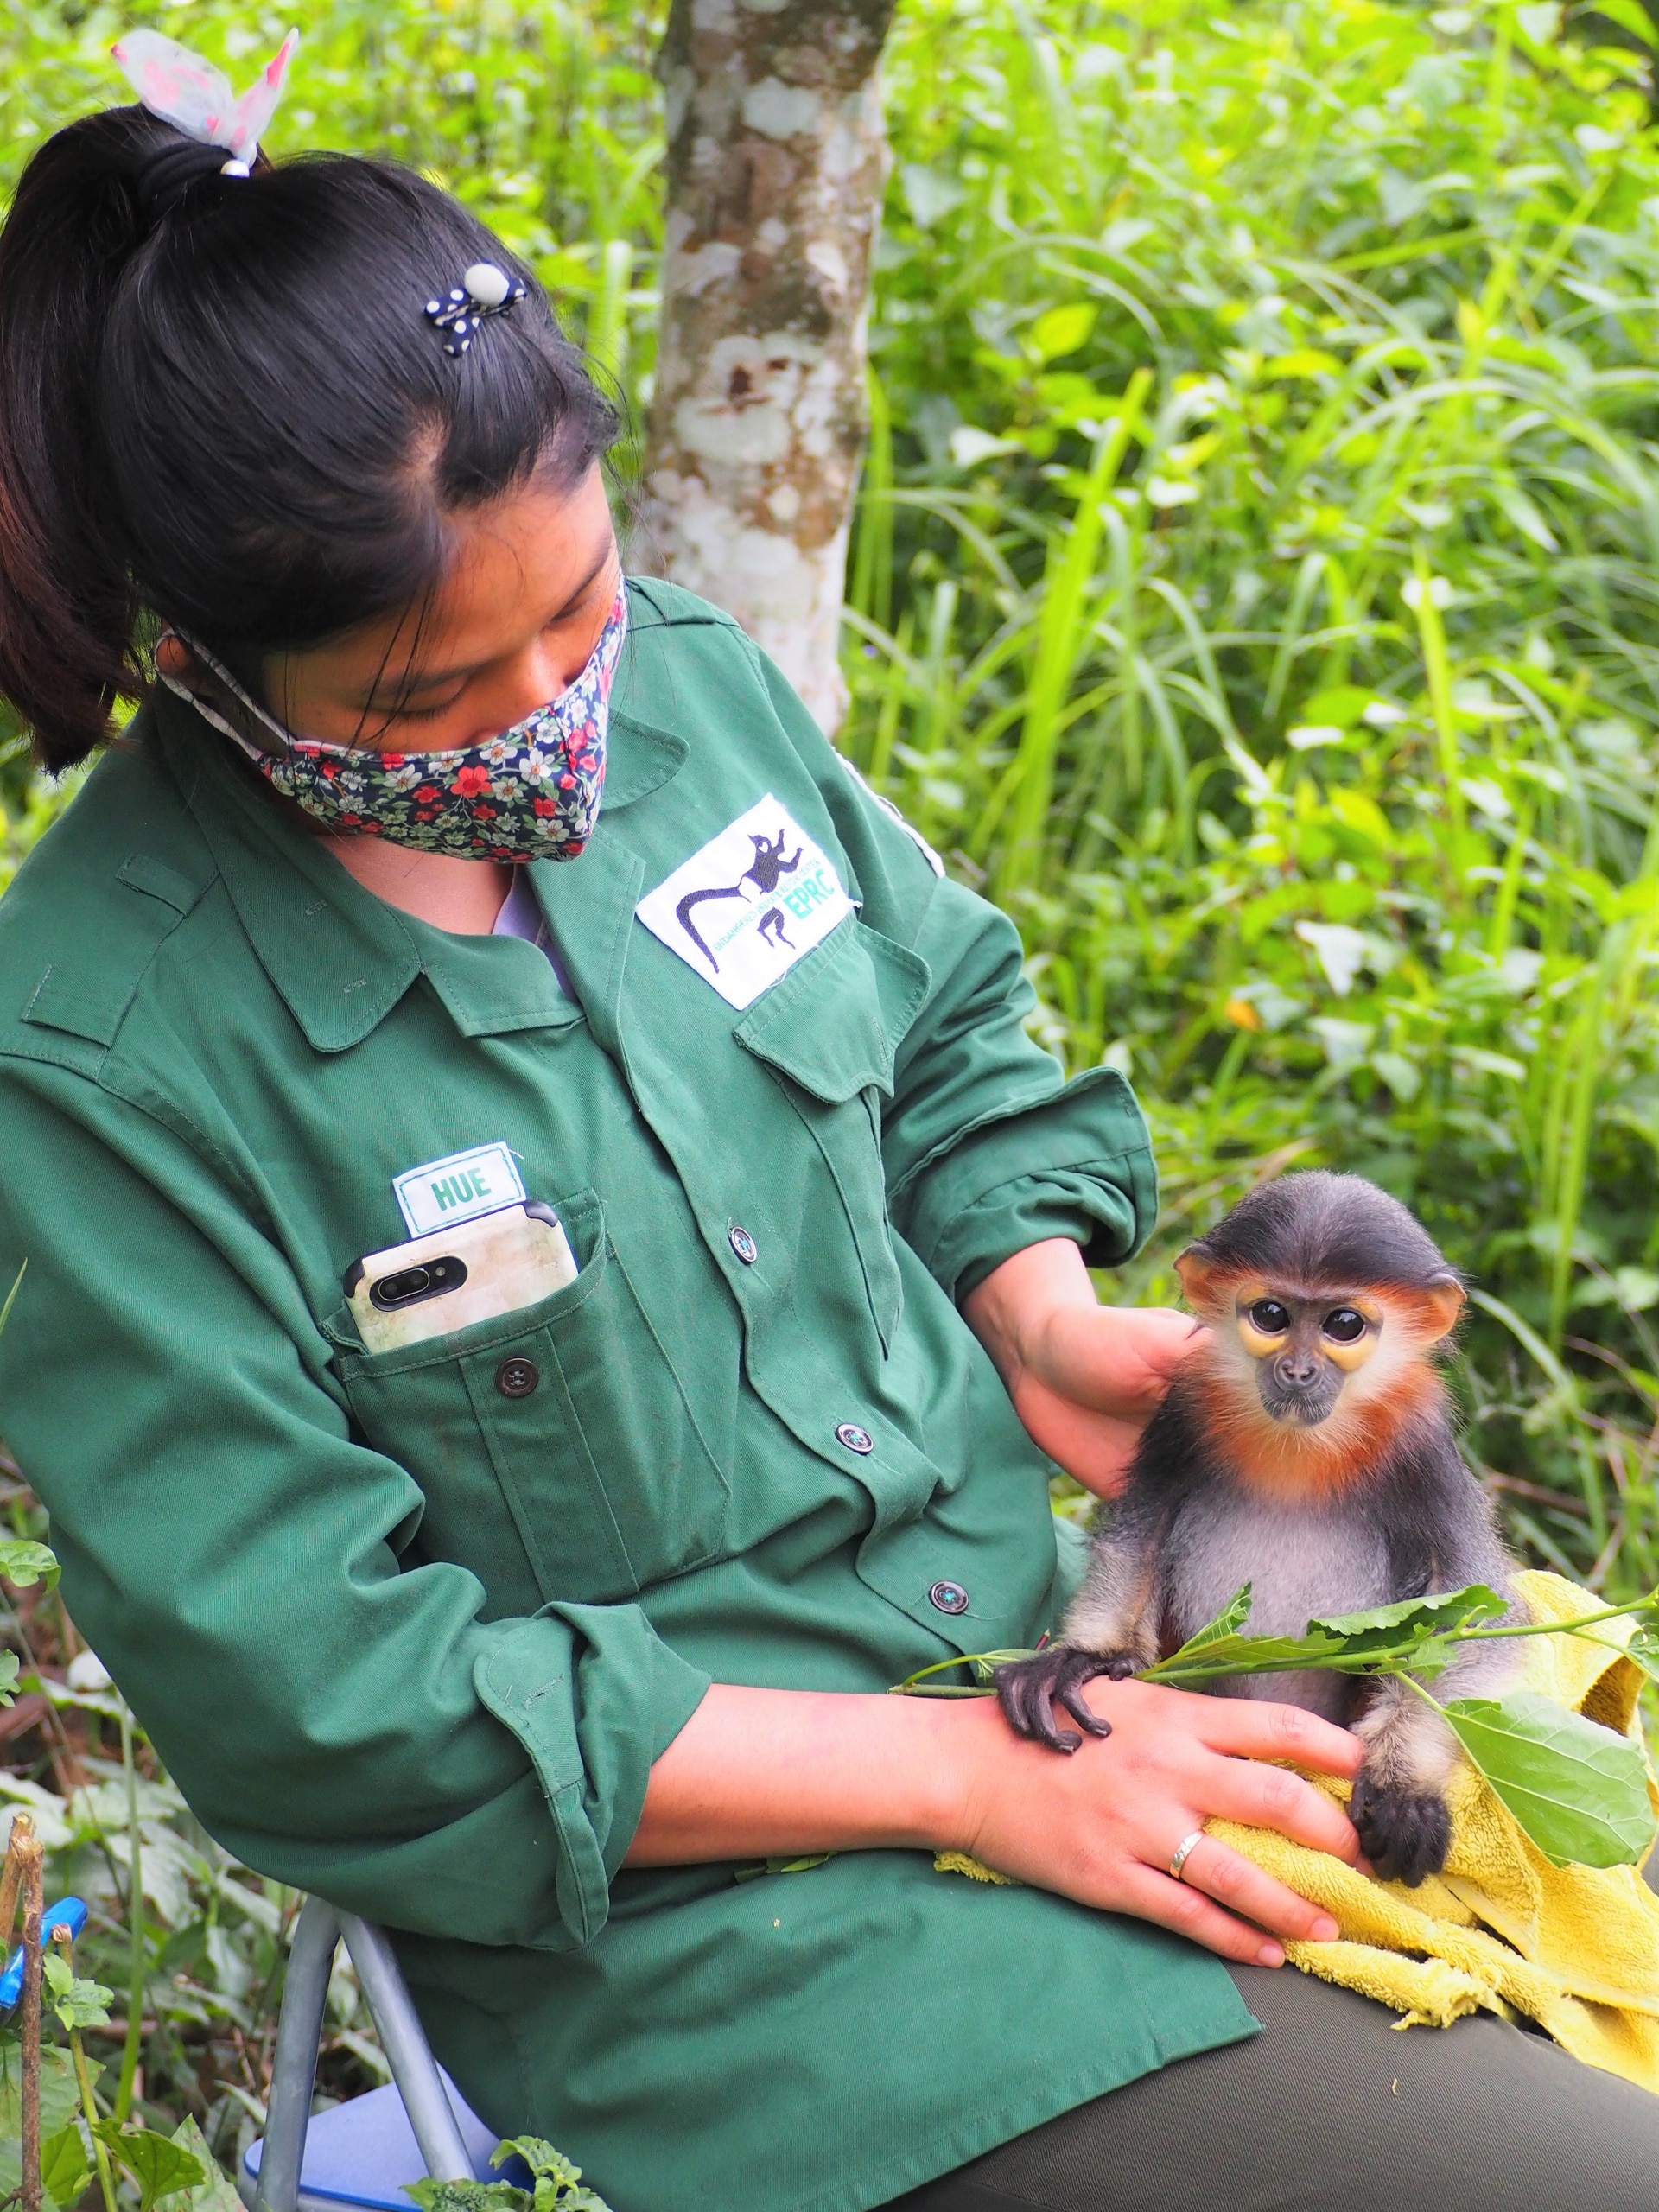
(340, 958)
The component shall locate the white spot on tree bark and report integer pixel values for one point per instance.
(780, 111)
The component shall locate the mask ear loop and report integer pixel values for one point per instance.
(210, 713)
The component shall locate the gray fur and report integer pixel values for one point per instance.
(1189, 1530)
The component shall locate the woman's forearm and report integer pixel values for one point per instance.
(1085, 1378)
(756, 1773)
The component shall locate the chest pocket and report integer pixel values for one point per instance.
(832, 1027)
(570, 1414)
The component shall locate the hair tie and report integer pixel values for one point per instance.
(171, 173)
(179, 87)
(484, 289)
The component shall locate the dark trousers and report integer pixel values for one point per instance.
(1330, 2110)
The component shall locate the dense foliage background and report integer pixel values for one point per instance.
(1256, 589)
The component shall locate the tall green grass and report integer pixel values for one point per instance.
(1255, 583)
(1255, 592)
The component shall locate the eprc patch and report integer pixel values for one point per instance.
(750, 904)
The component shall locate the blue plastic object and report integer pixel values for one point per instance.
(69, 1913)
(362, 2152)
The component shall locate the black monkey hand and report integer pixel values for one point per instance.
(1405, 1833)
(1031, 1688)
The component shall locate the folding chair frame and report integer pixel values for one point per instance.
(299, 2034)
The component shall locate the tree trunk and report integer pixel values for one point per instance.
(776, 163)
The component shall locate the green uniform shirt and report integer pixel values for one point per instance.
(411, 1638)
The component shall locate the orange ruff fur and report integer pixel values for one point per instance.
(1293, 1464)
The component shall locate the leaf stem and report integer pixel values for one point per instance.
(1191, 1666)
(137, 1974)
(30, 1855)
(61, 1937)
(1399, 1674)
(1551, 1628)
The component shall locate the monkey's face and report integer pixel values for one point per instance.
(1306, 1370)
(1305, 1347)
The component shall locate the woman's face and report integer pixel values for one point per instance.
(535, 574)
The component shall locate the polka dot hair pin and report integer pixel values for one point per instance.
(484, 289)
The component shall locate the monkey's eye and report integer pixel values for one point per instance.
(1344, 1326)
(1269, 1317)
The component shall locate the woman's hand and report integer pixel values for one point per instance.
(1103, 1825)
(1085, 1378)
(756, 1772)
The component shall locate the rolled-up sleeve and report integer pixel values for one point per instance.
(340, 1717)
(987, 1148)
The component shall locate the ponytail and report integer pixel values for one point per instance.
(66, 609)
(221, 405)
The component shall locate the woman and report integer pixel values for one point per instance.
(444, 869)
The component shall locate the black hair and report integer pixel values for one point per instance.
(222, 404)
(1317, 1228)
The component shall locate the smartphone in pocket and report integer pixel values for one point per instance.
(493, 1264)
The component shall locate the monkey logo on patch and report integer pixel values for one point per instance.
(766, 873)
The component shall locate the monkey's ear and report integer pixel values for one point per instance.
(1441, 1305)
(1204, 1284)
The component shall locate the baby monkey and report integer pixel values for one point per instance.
(1305, 1447)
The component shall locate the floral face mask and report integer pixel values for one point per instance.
(530, 794)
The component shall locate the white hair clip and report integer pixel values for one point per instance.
(483, 290)
(196, 99)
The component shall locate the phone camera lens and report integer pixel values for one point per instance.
(392, 1291)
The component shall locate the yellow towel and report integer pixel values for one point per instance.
(1575, 1948)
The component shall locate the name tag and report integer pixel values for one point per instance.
(749, 904)
(458, 1188)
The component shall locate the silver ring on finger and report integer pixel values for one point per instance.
(1184, 1851)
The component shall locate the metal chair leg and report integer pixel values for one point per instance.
(294, 2072)
(408, 2052)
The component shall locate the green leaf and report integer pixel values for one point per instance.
(217, 2192)
(1245, 1655)
(8, 1676)
(77, 2003)
(1389, 1625)
(557, 2181)
(11, 1295)
(985, 1663)
(23, 1563)
(59, 2101)
(65, 2170)
(1061, 330)
(1231, 1618)
(1643, 1648)
(1578, 1790)
(1411, 1634)
(468, 2197)
(159, 2166)
(1630, 15)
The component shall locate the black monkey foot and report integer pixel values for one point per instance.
(1031, 1688)
(1405, 1833)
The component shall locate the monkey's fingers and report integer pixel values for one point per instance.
(1025, 1688)
(1074, 1670)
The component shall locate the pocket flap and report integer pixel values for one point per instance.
(834, 1022)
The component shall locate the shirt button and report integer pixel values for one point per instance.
(854, 1438)
(948, 1596)
(742, 1243)
(517, 1378)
